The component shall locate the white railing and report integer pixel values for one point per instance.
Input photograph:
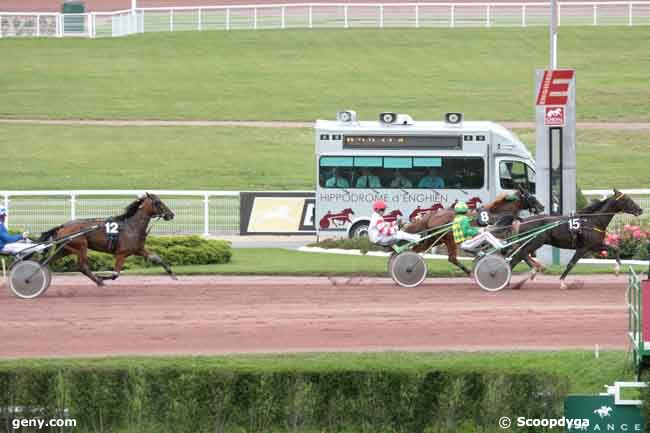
(380, 15)
(640, 196)
(197, 212)
(91, 25)
(323, 15)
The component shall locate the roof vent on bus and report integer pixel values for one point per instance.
(346, 116)
(453, 118)
(389, 118)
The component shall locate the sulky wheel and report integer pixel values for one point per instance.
(408, 269)
(492, 272)
(28, 279)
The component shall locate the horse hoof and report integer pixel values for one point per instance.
(174, 277)
(563, 286)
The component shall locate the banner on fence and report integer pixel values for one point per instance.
(273, 213)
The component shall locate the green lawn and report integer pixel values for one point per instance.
(587, 373)
(277, 261)
(185, 158)
(309, 74)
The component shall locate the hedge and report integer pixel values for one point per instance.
(166, 399)
(176, 250)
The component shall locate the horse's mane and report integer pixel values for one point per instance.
(130, 210)
(497, 201)
(594, 206)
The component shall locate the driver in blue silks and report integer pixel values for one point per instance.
(9, 244)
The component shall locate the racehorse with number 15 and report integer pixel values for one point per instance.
(122, 236)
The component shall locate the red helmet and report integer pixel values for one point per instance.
(379, 205)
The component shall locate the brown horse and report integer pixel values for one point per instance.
(122, 235)
(502, 211)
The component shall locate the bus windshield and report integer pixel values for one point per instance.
(402, 172)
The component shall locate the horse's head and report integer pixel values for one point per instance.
(623, 203)
(529, 201)
(156, 208)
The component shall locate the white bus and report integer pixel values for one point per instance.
(413, 166)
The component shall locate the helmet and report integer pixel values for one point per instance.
(460, 207)
(3, 211)
(379, 205)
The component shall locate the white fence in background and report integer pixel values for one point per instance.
(322, 15)
(197, 212)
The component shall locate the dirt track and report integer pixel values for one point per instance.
(211, 315)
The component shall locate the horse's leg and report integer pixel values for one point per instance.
(577, 256)
(155, 258)
(117, 268)
(602, 247)
(535, 265)
(452, 253)
(82, 254)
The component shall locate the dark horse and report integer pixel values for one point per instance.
(122, 235)
(583, 232)
(502, 211)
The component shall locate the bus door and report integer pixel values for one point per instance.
(512, 173)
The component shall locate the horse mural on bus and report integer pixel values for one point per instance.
(338, 219)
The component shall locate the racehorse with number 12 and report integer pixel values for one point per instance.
(123, 235)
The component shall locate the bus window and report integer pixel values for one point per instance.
(531, 179)
(401, 172)
(515, 173)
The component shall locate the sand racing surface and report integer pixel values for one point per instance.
(215, 315)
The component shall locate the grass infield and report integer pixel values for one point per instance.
(309, 74)
(277, 261)
(96, 157)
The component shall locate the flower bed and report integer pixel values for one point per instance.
(632, 241)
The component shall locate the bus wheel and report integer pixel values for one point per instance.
(359, 230)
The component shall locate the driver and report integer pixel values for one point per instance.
(9, 244)
(470, 238)
(384, 232)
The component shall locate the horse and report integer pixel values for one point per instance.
(502, 211)
(123, 235)
(582, 232)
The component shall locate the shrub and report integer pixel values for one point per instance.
(198, 399)
(177, 250)
(363, 244)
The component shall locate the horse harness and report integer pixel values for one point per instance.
(112, 229)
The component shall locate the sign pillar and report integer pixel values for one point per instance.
(555, 117)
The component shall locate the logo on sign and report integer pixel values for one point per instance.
(554, 116)
(603, 411)
(554, 89)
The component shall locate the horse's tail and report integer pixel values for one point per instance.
(46, 236)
